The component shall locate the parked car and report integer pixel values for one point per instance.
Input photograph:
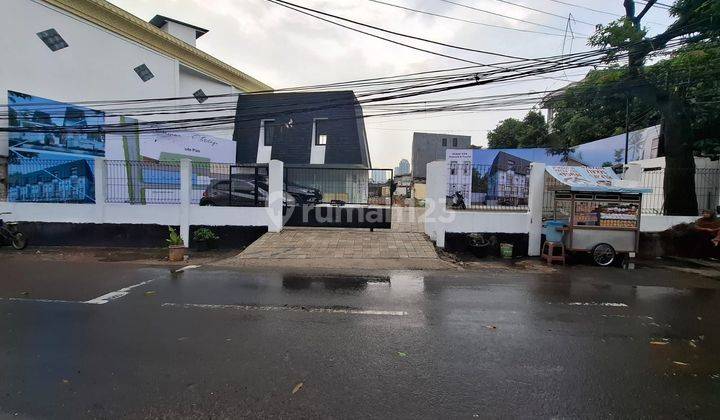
(304, 195)
(242, 192)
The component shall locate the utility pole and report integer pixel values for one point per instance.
(627, 126)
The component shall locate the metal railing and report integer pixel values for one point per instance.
(488, 187)
(212, 184)
(50, 181)
(707, 189)
(142, 182)
(337, 186)
(230, 185)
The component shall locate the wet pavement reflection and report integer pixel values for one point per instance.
(582, 342)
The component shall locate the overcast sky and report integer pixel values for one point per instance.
(284, 48)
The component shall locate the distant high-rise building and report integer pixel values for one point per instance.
(428, 147)
(403, 168)
(379, 176)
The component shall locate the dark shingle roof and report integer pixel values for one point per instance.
(505, 161)
(160, 21)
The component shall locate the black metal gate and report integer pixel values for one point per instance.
(343, 197)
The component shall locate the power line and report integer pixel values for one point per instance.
(544, 12)
(474, 22)
(417, 38)
(378, 36)
(580, 6)
(505, 16)
(309, 12)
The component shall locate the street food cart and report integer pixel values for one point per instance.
(594, 211)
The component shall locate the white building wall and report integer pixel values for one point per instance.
(182, 32)
(96, 66)
(192, 80)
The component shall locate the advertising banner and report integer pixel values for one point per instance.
(151, 172)
(459, 167)
(52, 146)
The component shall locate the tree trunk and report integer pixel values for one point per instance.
(679, 182)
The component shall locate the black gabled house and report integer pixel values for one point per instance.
(318, 128)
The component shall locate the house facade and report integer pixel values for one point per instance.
(319, 136)
(508, 180)
(310, 128)
(428, 147)
(80, 52)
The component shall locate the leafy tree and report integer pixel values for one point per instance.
(589, 110)
(512, 133)
(505, 135)
(662, 86)
(535, 131)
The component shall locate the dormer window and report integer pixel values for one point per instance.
(321, 132)
(269, 128)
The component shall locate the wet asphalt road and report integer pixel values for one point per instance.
(228, 344)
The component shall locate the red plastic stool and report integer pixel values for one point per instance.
(548, 252)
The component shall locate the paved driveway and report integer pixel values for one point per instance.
(408, 219)
(302, 243)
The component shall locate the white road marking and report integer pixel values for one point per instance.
(612, 304)
(40, 300)
(101, 300)
(187, 267)
(287, 308)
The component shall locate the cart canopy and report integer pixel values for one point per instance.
(579, 178)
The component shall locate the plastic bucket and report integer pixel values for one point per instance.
(506, 250)
(551, 232)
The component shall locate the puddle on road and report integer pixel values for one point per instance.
(332, 283)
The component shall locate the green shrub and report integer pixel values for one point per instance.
(205, 234)
(175, 239)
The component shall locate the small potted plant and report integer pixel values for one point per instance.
(176, 246)
(205, 239)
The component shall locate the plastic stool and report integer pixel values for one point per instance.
(548, 252)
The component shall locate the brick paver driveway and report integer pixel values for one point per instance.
(300, 243)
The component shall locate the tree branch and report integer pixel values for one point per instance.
(629, 9)
(647, 8)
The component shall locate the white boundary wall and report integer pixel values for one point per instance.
(183, 214)
(440, 220)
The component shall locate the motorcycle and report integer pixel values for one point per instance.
(458, 201)
(9, 233)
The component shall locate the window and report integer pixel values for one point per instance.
(454, 142)
(144, 72)
(52, 39)
(444, 142)
(321, 132)
(270, 128)
(200, 96)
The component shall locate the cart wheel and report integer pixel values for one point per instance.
(603, 255)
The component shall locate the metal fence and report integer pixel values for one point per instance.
(337, 186)
(707, 189)
(230, 185)
(504, 186)
(213, 184)
(50, 181)
(142, 182)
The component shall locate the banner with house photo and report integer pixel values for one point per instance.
(52, 146)
(501, 176)
(145, 165)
